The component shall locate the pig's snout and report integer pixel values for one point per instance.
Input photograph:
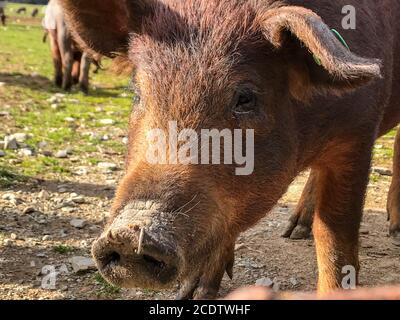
(135, 256)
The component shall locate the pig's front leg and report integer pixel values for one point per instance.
(341, 182)
(299, 225)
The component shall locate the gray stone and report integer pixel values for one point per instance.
(78, 200)
(47, 153)
(82, 263)
(10, 143)
(2, 154)
(107, 121)
(69, 119)
(20, 137)
(4, 114)
(382, 171)
(264, 282)
(78, 223)
(26, 152)
(107, 166)
(62, 154)
(42, 144)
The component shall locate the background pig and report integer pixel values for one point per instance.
(71, 65)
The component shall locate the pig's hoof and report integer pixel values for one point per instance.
(84, 89)
(296, 231)
(301, 232)
(395, 234)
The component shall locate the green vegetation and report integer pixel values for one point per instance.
(8, 178)
(63, 249)
(106, 290)
(28, 95)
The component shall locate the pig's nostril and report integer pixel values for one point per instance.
(154, 262)
(113, 258)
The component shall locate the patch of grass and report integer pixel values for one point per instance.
(106, 289)
(63, 249)
(374, 177)
(9, 178)
(27, 73)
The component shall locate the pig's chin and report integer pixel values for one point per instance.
(151, 274)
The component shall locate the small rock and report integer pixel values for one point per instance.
(33, 264)
(125, 140)
(47, 153)
(42, 194)
(78, 200)
(4, 114)
(293, 281)
(107, 121)
(20, 137)
(13, 236)
(105, 138)
(110, 183)
(240, 246)
(62, 154)
(42, 144)
(46, 237)
(2, 154)
(82, 263)
(10, 143)
(264, 282)
(78, 223)
(81, 171)
(62, 233)
(26, 152)
(69, 119)
(107, 167)
(9, 196)
(28, 210)
(382, 171)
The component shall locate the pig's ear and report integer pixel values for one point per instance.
(318, 61)
(104, 26)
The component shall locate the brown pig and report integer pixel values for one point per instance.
(269, 67)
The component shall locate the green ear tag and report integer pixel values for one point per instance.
(342, 41)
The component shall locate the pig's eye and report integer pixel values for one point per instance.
(245, 102)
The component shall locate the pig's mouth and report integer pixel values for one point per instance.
(156, 256)
(121, 264)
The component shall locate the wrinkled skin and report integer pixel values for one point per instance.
(197, 64)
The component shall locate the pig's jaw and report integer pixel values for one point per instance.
(138, 249)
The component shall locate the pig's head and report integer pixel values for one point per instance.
(205, 64)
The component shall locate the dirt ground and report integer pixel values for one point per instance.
(36, 239)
